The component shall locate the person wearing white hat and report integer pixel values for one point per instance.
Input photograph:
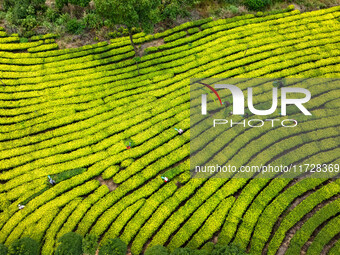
(180, 131)
(165, 179)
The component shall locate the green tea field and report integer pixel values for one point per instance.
(103, 128)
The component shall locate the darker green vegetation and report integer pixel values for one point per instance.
(24, 246)
(68, 174)
(57, 178)
(90, 244)
(61, 3)
(131, 13)
(157, 250)
(114, 18)
(23, 13)
(210, 249)
(74, 244)
(70, 243)
(3, 249)
(257, 5)
(113, 247)
(227, 250)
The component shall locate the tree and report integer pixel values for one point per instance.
(22, 8)
(182, 251)
(157, 250)
(24, 246)
(3, 249)
(188, 251)
(170, 9)
(83, 3)
(131, 13)
(113, 246)
(228, 250)
(90, 244)
(24, 13)
(70, 243)
(257, 5)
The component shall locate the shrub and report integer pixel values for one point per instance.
(7, 4)
(127, 162)
(22, 8)
(9, 17)
(208, 247)
(82, 3)
(183, 251)
(74, 26)
(70, 243)
(157, 250)
(34, 195)
(60, 3)
(291, 7)
(111, 35)
(63, 19)
(90, 244)
(227, 250)
(93, 20)
(51, 15)
(200, 252)
(174, 9)
(19, 12)
(23, 40)
(3, 249)
(125, 32)
(68, 174)
(29, 22)
(24, 246)
(113, 246)
(135, 30)
(188, 251)
(108, 23)
(257, 5)
(110, 172)
(193, 30)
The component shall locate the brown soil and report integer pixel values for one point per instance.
(75, 41)
(50, 3)
(291, 232)
(298, 7)
(215, 239)
(146, 245)
(178, 184)
(109, 183)
(74, 10)
(143, 46)
(330, 245)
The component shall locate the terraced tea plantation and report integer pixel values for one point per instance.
(103, 129)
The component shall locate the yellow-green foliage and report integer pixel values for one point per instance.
(68, 109)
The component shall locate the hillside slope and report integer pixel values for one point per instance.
(80, 108)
